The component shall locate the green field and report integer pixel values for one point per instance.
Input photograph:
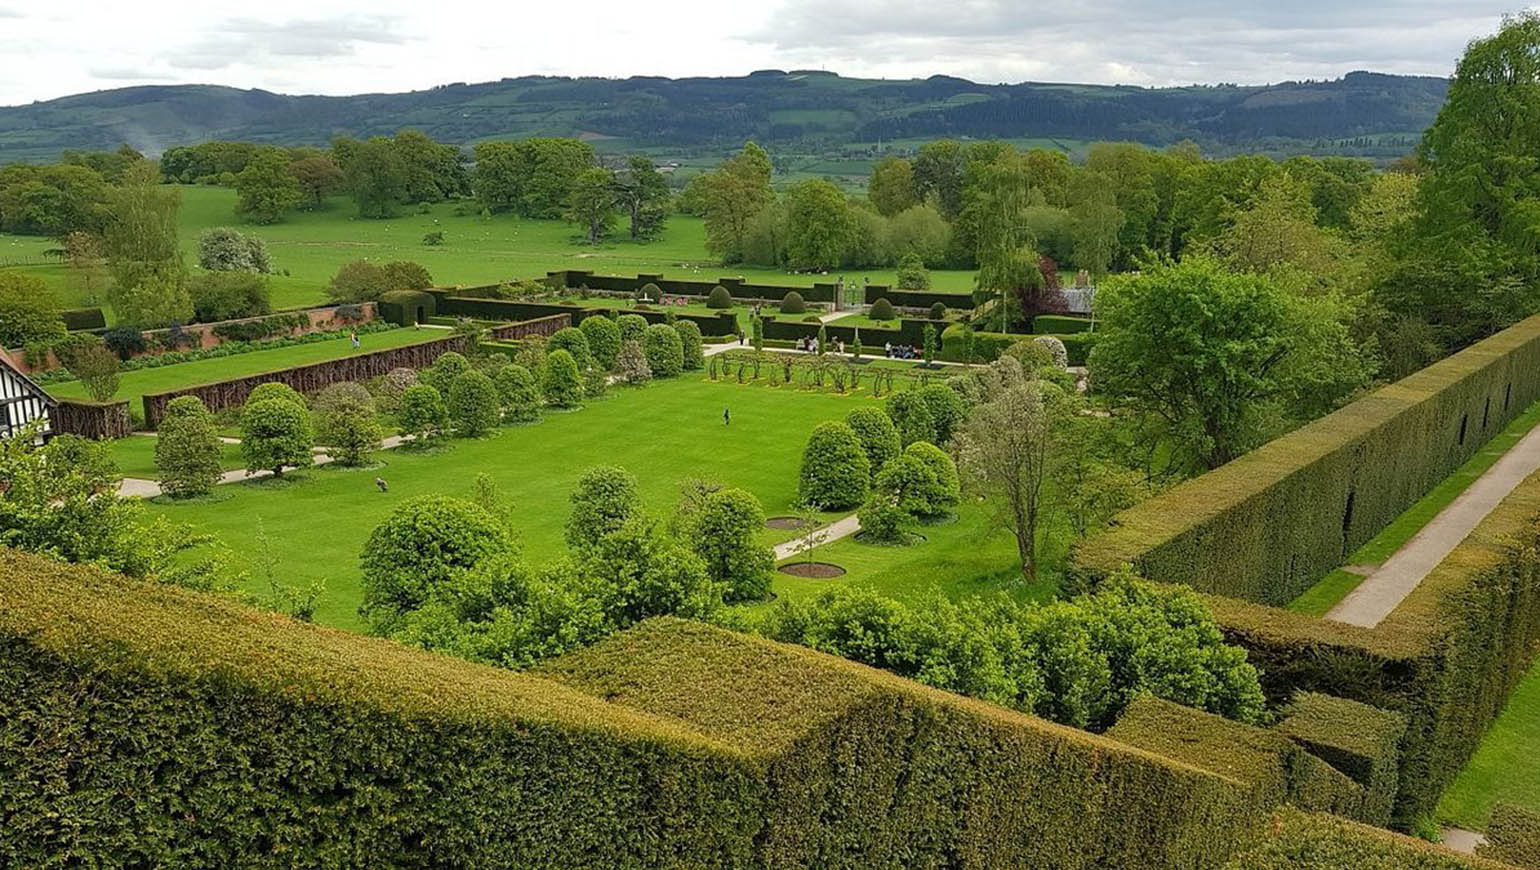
(132, 385)
(1504, 767)
(308, 247)
(135, 456)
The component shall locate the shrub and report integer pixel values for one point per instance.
(519, 396)
(226, 250)
(649, 292)
(345, 422)
(879, 437)
(444, 370)
(275, 433)
(911, 484)
(725, 534)
(424, 416)
(473, 404)
(882, 309)
(719, 298)
(93, 364)
(883, 520)
(403, 275)
(275, 390)
(690, 345)
(187, 449)
(1055, 349)
(1513, 835)
(812, 318)
(604, 500)
(125, 341)
(228, 295)
(665, 352)
(835, 471)
(938, 311)
(911, 415)
(27, 311)
(391, 387)
(573, 341)
(631, 363)
(603, 340)
(632, 327)
(946, 410)
(358, 281)
(947, 492)
(562, 385)
(433, 239)
(912, 274)
(426, 541)
(596, 382)
(793, 303)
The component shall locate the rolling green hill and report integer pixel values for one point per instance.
(1367, 114)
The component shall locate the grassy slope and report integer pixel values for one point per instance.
(310, 247)
(132, 385)
(1504, 767)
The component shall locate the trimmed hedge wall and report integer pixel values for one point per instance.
(869, 770)
(910, 331)
(987, 346)
(1281, 770)
(1513, 835)
(76, 319)
(1363, 742)
(1268, 525)
(725, 323)
(1297, 840)
(918, 298)
(1059, 324)
(1447, 658)
(739, 288)
(408, 307)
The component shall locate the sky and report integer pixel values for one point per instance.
(61, 47)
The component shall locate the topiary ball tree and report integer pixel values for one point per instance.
(603, 340)
(793, 303)
(274, 434)
(444, 370)
(562, 384)
(725, 534)
(911, 484)
(879, 437)
(911, 415)
(665, 352)
(346, 424)
(946, 411)
(573, 341)
(1055, 349)
(631, 326)
(835, 471)
(883, 520)
(882, 309)
(275, 390)
(474, 405)
(187, 449)
(631, 363)
(424, 542)
(719, 298)
(947, 491)
(938, 311)
(603, 501)
(424, 416)
(690, 345)
(517, 391)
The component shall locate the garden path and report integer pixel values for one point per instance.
(1384, 590)
(840, 528)
(138, 486)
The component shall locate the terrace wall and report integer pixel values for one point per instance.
(548, 325)
(738, 287)
(100, 420)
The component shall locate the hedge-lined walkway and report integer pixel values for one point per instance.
(1385, 589)
(138, 486)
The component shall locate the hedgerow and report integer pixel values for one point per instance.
(1295, 840)
(1361, 741)
(1513, 835)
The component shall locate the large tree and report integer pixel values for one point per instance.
(892, 187)
(375, 174)
(818, 226)
(318, 175)
(591, 204)
(732, 195)
(143, 252)
(267, 188)
(643, 192)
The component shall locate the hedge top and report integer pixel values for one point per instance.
(101, 620)
(1315, 719)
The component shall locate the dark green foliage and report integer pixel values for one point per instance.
(1361, 741)
(1295, 840)
(603, 501)
(792, 303)
(573, 341)
(690, 345)
(424, 542)
(719, 298)
(938, 498)
(882, 309)
(725, 535)
(407, 307)
(228, 295)
(938, 311)
(444, 370)
(665, 352)
(187, 449)
(265, 327)
(83, 318)
(879, 437)
(632, 326)
(125, 341)
(424, 416)
(603, 336)
(364, 281)
(1513, 835)
(274, 434)
(561, 383)
(518, 393)
(474, 404)
(835, 471)
(911, 415)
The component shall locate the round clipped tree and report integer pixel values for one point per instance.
(562, 385)
(910, 483)
(947, 492)
(835, 471)
(518, 393)
(474, 405)
(793, 303)
(424, 542)
(424, 416)
(946, 410)
(879, 437)
(910, 413)
(275, 390)
(275, 434)
(719, 298)
(345, 423)
(187, 449)
(444, 370)
(938, 311)
(725, 534)
(631, 363)
(883, 520)
(690, 345)
(573, 341)
(882, 309)
(604, 499)
(631, 327)
(665, 352)
(389, 389)
(603, 340)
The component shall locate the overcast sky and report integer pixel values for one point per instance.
(50, 49)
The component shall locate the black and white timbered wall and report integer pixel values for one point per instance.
(22, 402)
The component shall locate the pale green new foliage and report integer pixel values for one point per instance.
(690, 345)
(474, 404)
(424, 415)
(879, 437)
(346, 424)
(518, 393)
(835, 471)
(631, 326)
(444, 370)
(665, 352)
(603, 340)
(947, 491)
(424, 542)
(275, 390)
(187, 449)
(562, 384)
(604, 499)
(274, 434)
(725, 534)
(573, 341)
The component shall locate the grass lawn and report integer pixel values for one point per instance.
(1506, 767)
(665, 433)
(135, 456)
(307, 248)
(132, 385)
(1334, 587)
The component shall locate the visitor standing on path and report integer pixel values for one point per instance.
(353, 337)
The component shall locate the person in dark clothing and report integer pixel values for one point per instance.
(727, 419)
(380, 483)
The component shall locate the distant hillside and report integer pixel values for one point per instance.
(1359, 113)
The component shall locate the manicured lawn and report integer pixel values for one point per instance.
(665, 433)
(135, 456)
(1505, 768)
(133, 385)
(1334, 587)
(307, 248)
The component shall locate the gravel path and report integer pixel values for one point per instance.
(840, 528)
(138, 486)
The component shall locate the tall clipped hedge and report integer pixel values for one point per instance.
(1295, 840)
(1361, 741)
(1268, 525)
(1513, 835)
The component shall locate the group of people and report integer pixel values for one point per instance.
(810, 344)
(900, 351)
